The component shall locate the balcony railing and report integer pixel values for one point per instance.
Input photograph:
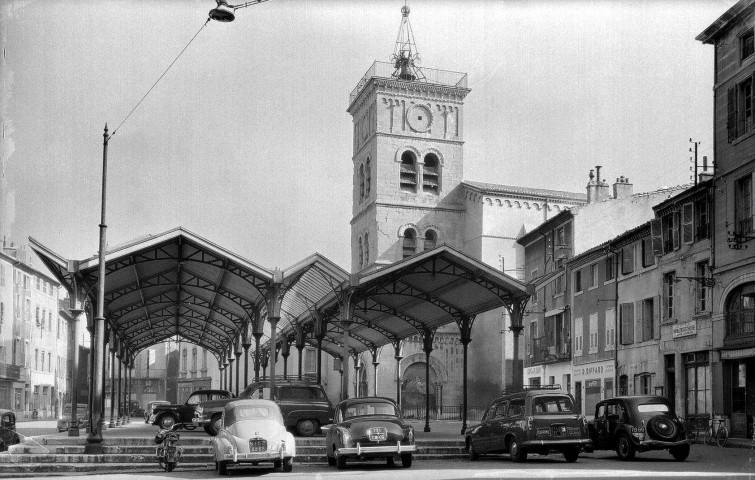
(432, 76)
(543, 350)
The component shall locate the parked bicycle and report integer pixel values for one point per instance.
(167, 452)
(692, 426)
(719, 435)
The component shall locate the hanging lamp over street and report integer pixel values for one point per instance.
(226, 13)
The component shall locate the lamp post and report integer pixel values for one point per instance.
(222, 13)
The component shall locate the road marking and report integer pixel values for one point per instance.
(560, 473)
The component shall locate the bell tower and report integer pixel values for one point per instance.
(407, 157)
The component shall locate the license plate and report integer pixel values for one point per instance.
(257, 445)
(558, 430)
(378, 434)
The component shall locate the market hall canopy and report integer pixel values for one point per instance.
(174, 283)
(414, 296)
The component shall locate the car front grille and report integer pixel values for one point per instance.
(257, 445)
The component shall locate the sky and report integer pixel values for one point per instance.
(246, 140)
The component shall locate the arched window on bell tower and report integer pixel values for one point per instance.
(410, 243)
(367, 177)
(366, 249)
(431, 239)
(360, 260)
(361, 182)
(408, 172)
(431, 174)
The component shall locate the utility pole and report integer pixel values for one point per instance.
(695, 150)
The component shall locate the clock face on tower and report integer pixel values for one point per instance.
(420, 118)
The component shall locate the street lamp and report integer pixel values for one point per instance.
(225, 13)
(222, 13)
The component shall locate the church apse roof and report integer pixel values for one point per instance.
(498, 189)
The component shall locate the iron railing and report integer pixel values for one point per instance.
(443, 412)
(432, 76)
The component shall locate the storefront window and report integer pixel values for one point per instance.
(698, 389)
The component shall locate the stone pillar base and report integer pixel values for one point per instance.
(73, 432)
(93, 449)
(112, 423)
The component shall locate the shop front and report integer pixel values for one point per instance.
(593, 382)
(739, 370)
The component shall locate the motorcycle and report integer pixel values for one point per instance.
(167, 452)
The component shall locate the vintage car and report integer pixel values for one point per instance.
(252, 431)
(8, 435)
(304, 406)
(165, 416)
(631, 424)
(533, 420)
(368, 428)
(149, 411)
(82, 416)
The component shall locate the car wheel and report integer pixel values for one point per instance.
(390, 461)
(223, 467)
(341, 462)
(680, 452)
(331, 461)
(288, 464)
(473, 455)
(571, 455)
(625, 448)
(406, 460)
(517, 452)
(170, 466)
(167, 421)
(307, 427)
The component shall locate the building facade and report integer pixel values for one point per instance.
(732, 359)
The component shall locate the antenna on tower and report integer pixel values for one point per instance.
(405, 57)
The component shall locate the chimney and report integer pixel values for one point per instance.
(597, 190)
(622, 188)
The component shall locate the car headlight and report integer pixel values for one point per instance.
(345, 436)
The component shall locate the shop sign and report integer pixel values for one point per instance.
(685, 329)
(593, 370)
(536, 371)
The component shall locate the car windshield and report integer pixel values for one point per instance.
(553, 404)
(369, 408)
(251, 412)
(652, 408)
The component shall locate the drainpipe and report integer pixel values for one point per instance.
(616, 322)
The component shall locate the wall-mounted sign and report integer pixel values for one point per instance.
(685, 329)
(536, 371)
(593, 370)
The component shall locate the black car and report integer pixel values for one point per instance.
(532, 420)
(165, 416)
(369, 428)
(305, 406)
(8, 435)
(632, 424)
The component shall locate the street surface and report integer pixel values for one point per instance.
(705, 462)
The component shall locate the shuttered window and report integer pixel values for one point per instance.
(627, 323)
(627, 259)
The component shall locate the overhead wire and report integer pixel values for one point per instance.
(160, 78)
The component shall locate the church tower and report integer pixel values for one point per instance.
(407, 157)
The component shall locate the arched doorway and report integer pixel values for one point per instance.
(413, 388)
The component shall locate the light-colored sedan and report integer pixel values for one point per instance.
(252, 431)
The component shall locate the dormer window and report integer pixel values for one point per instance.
(408, 172)
(410, 243)
(431, 174)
